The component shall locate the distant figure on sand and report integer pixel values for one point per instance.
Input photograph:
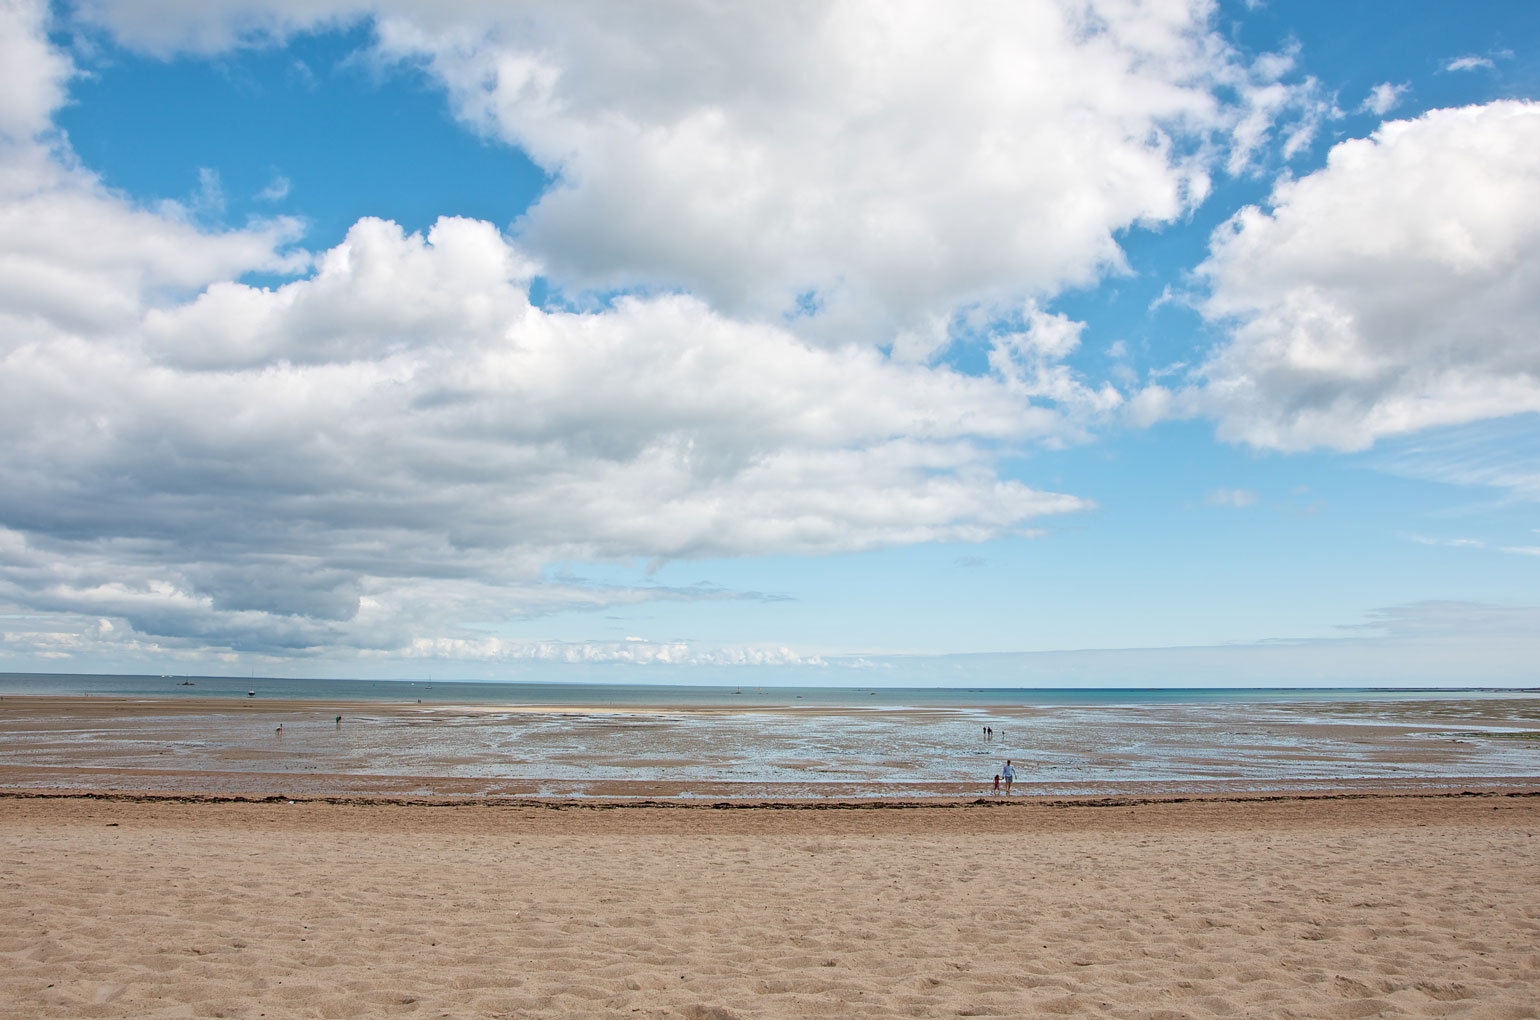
(997, 784)
(279, 730)
(339, 720)
(1009, 775)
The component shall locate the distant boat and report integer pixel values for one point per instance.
(187, 683)
(251, 694)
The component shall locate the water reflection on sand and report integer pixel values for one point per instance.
(785, 752)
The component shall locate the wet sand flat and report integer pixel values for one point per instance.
(1421, 906)
(710, 752)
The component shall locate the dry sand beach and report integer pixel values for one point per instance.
(1338, 908)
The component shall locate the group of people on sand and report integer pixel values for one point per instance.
(1007, 775)
(279, 730)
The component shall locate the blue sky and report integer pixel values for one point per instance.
(1099, 343)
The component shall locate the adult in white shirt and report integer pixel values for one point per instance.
(1009, 775)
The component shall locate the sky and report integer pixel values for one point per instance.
(1071, 343)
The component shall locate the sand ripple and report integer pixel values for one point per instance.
(1421, 907)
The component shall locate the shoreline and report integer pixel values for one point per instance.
(1024, 818)
(643, 794)
(1506, 791)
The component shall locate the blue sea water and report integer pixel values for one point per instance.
(643, 696)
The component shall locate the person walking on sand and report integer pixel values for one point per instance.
(1009, 775)
(997, 786)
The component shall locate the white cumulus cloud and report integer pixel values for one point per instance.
(35, 75)
(878, 164)
(287, 464)
(1383, 98)
(1470, 63)
(1395, 289)
(396, 441)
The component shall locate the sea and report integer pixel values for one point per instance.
(648, 696)
(574, 740)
